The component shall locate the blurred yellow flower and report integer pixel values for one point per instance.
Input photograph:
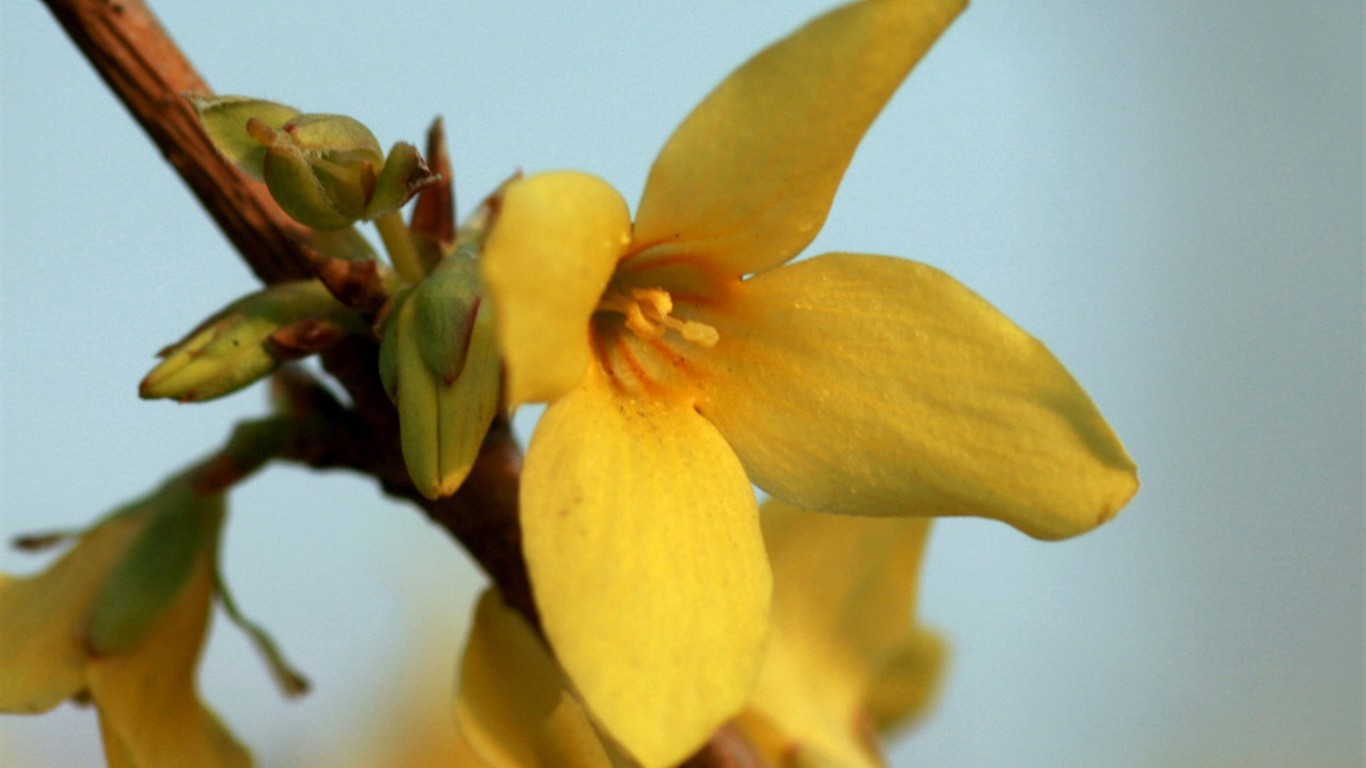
(683, 358)
(514, 706)
(405, 721)
(845, 662)
(121, 619)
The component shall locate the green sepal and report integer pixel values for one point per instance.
(445, 307)
(232, 348)
(290, 176)
(225, 119)
(156, 566)
(337, 137)
(404, 173)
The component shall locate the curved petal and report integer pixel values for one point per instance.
(878, 386)
(43, 618)
(546, 263)
(910, 678)
(747, 180)
(514, 704)
(642, 540)
(150, 712)
(843, 598)
(847, 582)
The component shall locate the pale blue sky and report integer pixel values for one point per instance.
(1169, 194)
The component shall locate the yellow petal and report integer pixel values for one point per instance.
(43, 618)
(546, 264)
(642, 540)
(407, 713)
(514, 704)
(414, 749)
(843, 597)
(848, 582)
(878, 386)
(908, 681)
(747, 180)
(462, 756)
(150, 713)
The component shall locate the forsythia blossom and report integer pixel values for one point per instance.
(683, 357)
(844, 662)
(121, 618)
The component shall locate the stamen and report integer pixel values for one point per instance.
(693, 331)
(649, 313)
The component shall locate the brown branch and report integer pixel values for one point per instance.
(150, 76)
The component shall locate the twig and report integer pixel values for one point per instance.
(150, 76)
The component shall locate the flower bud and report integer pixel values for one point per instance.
(321, 169)
(325, 171)
(234, 347)
(440, 366)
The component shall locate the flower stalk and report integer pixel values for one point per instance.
(398, 242)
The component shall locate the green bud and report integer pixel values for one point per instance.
(234, 347)
(182, 527)
(325, 171)
(320, 168)
(225, 120)
(439, 363)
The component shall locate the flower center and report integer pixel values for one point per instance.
(649, 314)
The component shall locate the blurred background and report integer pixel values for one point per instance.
(1169, 194)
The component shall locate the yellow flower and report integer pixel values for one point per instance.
(407, 717)
(844, 663)
(514, 707)
(683, 358)
(126, 631)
